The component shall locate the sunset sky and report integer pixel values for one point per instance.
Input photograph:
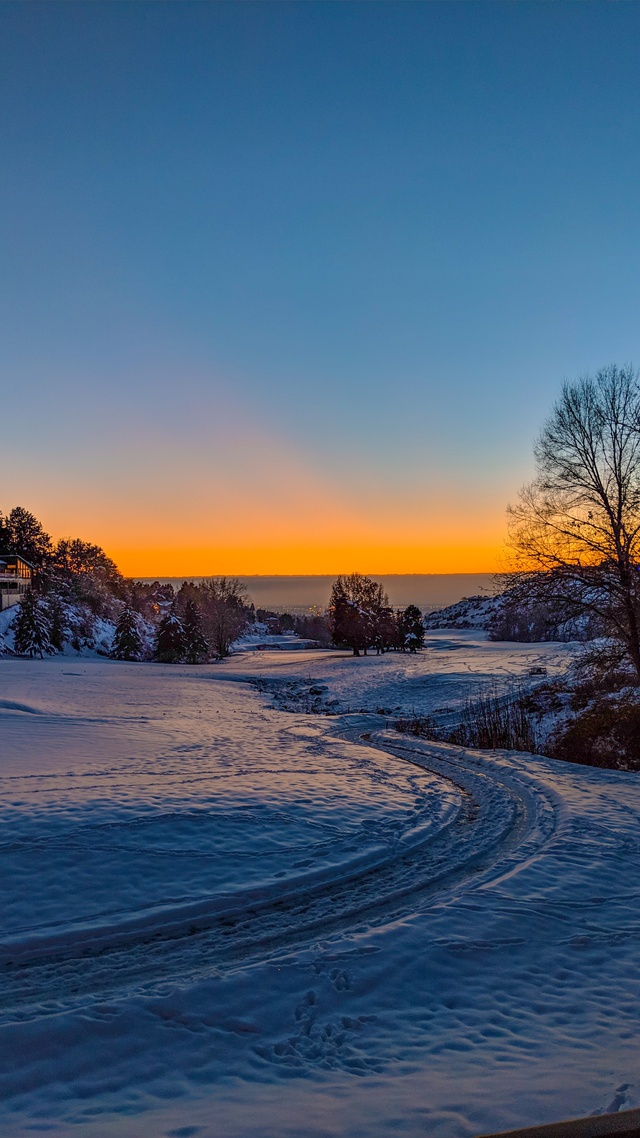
(290, 288)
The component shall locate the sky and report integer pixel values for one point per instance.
(291, 287)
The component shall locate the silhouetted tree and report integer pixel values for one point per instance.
(88, 575)
(21, 532)
(225, 609)
(356, 610)
(385, 629)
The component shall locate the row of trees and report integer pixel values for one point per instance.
(76, 585)
(362, 618)
(313, 625)
(177, 641)
(200, 622)
(204, 620)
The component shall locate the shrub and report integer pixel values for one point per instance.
(606, 733)
(490, 721)
(422, 725)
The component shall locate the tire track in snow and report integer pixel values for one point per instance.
(505, 817)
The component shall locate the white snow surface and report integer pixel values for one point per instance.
(220, 918)
(456, 663)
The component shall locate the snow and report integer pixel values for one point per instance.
(257, 636)
(102, 636)
(223, 919)
(7, 617)
(470, 612)
(455, 663)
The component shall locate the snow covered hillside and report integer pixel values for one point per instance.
(470, 612)
(98, 643)
(219, 919)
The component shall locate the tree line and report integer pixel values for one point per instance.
(76, 586)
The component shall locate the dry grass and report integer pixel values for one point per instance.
(492, 720)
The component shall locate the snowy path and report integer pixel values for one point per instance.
(491, 816)
(221, 919)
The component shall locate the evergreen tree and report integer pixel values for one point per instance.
(57, 620)
(410, 629)
(127, 641)
(171, 642)
(22, 533)
(196, 648)
(385, 629)
(32, 627)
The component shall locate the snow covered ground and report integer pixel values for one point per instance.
(219, 918)
(455, 663)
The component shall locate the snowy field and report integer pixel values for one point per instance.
(223, 919)
(454, 665)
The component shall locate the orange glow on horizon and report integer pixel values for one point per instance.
(238, 498)
(306, 560)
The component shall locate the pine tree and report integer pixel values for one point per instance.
(127, 641)
(22, 533)
(171, 643)
(411, 629)
(385, 629)
(196, 647)
(32, 628)
(57, 619)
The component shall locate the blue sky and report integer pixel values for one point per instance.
(303, 260)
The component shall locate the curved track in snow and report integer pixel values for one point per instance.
(504, 817)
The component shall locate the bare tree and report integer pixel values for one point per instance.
(574, 534)
(225, 604)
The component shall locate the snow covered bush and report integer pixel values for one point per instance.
(410, 629)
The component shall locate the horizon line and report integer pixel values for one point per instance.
(341, 573)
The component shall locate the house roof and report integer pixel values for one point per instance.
(7, 558)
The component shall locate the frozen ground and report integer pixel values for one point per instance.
(220, 919)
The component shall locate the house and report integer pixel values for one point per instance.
(15, 579)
